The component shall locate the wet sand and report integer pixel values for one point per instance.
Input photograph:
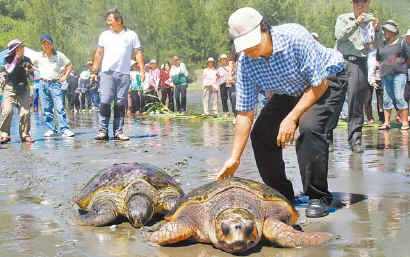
(37, 183)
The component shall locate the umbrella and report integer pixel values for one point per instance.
(2, 55)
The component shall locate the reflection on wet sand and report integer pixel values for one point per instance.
(37, 183)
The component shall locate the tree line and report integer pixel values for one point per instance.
(192, 29)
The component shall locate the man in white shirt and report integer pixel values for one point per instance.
(116, 47)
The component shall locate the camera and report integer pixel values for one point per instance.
(26, 65)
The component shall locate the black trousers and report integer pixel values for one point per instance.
(137, 101)
(228, 92)
(312, 147)
(180, 98)
(368, 103)
(168, 93)
(357, 87)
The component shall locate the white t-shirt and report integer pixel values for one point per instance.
(118, 49)
(50, 68)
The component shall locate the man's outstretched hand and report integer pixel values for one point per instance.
(227, 171)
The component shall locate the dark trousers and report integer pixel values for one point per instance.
(180, 98)
(228, 92)
(168, 93)
(357, 89)
(85, 100)
(137, 101)
(70, 100)
(368, 103)
(76, 101)
(312, 147)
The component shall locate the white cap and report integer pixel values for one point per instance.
(210, 59)
(315, 35)
(408, 32)
(244, 26)
(223, 56)
(85, 75)
(153, 61)
(391, 26)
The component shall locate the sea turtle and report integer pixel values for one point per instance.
(234, 214)
(131, 190)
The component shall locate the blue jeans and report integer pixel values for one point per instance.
(95, 98)
(36, 96)
(52, 98)
(113, 88)
(393, 90)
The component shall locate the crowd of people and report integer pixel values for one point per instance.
(303, 85)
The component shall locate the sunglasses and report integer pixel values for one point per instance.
(356, 1)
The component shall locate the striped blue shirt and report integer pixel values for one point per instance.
(297, 63)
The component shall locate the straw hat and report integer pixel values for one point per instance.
(12, 46)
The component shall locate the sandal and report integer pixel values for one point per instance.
(384, 127)
(4, 140)
(27, 139)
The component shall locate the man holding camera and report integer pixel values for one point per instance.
(356, 33)
(16, 92)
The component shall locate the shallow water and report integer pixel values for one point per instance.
(37, 183)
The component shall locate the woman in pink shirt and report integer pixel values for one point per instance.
(210, 86)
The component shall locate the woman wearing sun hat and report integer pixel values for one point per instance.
(16, 92)
(393, 58)
(210, 86)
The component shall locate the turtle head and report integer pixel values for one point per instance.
(235, 230)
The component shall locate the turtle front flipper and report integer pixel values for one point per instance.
(102, 213)
(140, 210)
(284, 235)
(174, 231)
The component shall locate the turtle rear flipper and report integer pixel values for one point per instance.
(140, 210)
(102, 213)
(174, 231)
(284, 235)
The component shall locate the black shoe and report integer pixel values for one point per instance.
(102, 136)
(357, 148)
(316, 209)
(297, 227)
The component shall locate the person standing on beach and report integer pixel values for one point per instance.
(50, 63)
(116, 47)
(16, 92)
(356, 33)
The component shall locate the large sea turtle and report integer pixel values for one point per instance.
(134, 191)
(234, 215)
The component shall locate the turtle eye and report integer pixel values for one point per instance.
(249, 228)
(225, 228)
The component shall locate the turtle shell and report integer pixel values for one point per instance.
(119, 176)
(208, 191)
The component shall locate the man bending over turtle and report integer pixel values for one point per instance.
(301, 73)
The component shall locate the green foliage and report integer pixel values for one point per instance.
(192, 29)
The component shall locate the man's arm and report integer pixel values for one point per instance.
(343, 30)
(243, 125)
(97, 59)
(67, 68)
(288, 125)
(139, 58)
